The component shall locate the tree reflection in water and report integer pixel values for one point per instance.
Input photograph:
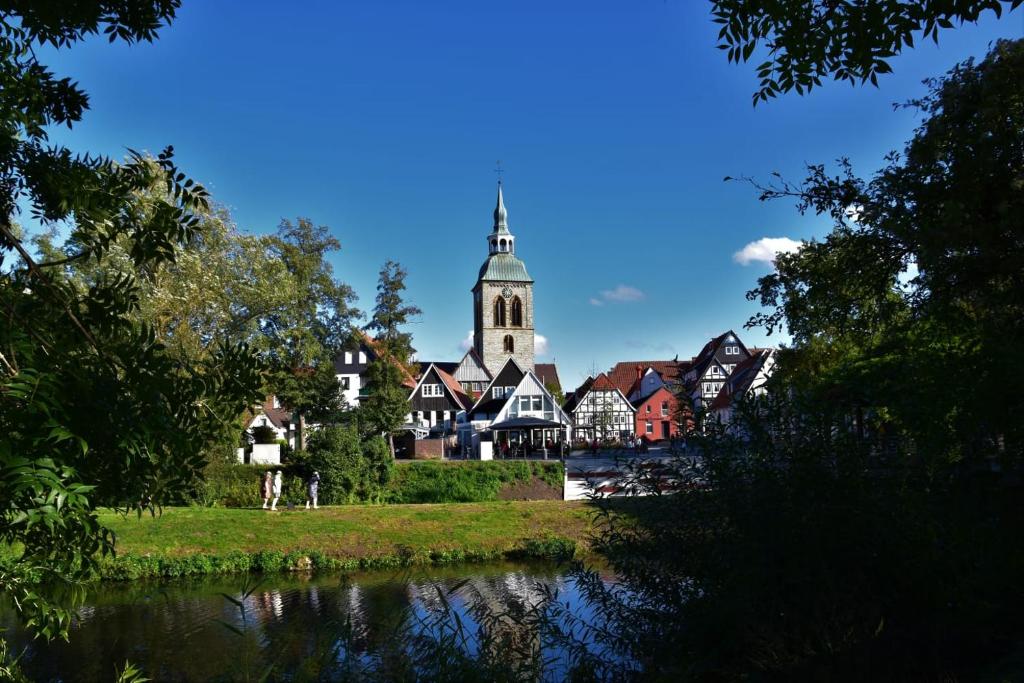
(507, 621)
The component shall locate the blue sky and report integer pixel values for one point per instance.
(615, 123)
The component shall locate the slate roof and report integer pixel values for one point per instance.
(547, 373)
(573, 397)
(448, 367)
(505, 267)
(739, 381)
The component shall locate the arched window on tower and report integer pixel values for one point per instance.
(517, 312)
(499, 312)
(510, 346)
(502, 243)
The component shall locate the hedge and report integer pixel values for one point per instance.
(237, 485)
(466, 481)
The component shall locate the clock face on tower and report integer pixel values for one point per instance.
(507, 292)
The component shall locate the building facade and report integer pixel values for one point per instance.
(503, 300)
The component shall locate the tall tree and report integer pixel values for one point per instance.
(868, 331)
(809, 40)
(387, 402)
(304, 337)
(93, 409)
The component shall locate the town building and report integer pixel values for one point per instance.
(515, 415)
(601, 411)
(438, 402)
(712, 366)
(503, 300)
(747, 380)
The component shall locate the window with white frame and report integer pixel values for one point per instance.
(432, 390)
(732, 350)
(664, 408)
(649, 426)
(348, 357)
(362, 357)
(498, 392)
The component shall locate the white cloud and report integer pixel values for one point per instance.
(540, 344)
(765, 250)
(621, 294)
(467, 343)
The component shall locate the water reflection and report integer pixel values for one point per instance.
(302, 627)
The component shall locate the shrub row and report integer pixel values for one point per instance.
(132, 567)
(465, 482)
(236, 485)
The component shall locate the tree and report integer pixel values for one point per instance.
(949, 206)
(351, 470)
(387, 403)
(391, 313)
(808, 40)
(93, 408)
(304, 337)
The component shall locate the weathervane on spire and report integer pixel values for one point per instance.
(499, 170)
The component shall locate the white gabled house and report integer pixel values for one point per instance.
(515, 414)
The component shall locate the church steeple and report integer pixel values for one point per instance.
(501, 241)
(503, 300)
(500, 214)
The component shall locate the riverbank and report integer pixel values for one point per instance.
(197, 541)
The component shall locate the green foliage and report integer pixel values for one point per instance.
(808, 40)
(264, 434)
(391, 313)
(351, 470)
(465, 482)
(861, 520)
(238, 485)
(93, 408)
(950, 205)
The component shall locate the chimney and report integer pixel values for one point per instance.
(639, 372)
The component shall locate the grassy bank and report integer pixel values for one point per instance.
(193, 541)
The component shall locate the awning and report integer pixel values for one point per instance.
(527, 423)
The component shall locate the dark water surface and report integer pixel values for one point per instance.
(296, 627)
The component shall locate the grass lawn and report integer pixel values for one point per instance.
(351, 532)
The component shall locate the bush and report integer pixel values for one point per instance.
(264, 435)
(465, 482)
(238, 485)
(351, 471)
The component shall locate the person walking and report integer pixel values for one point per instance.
(276, 489)
(312, 489)
(265, 487)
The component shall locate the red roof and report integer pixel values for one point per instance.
(454, 387)
(547, 373)
(602, 383)
(624, 374)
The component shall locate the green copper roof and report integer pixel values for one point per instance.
(504, 266)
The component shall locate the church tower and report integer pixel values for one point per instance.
(503, 300)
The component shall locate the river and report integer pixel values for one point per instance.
(310, 627)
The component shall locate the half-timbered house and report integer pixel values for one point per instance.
(601, 411)
(712, 366)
